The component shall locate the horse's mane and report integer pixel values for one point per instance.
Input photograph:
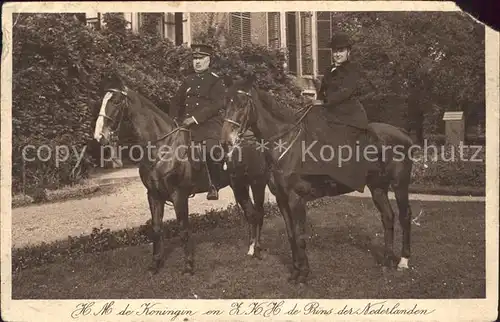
(276, 109)
(268, 101)
(114, 79)
(146, 103)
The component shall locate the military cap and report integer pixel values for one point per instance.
(201, 50)
(340, 40)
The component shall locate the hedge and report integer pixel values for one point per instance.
(58, 71)
(449, 168)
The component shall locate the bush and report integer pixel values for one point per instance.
(449, 169)
(60, 65)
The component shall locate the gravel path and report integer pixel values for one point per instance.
(125, 208)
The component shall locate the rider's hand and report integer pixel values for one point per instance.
(317, 102)
(189, 121)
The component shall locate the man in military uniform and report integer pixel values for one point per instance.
(199, 103)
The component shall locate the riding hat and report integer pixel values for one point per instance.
(201, 50)
(340, 40)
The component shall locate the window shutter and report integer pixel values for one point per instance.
(236, 28)
(240, 26)
(273, 29)
(306, 43)
(324, 32)
(246, 28)
(291, 42)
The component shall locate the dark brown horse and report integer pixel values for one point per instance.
(248, 107)
(171, 169)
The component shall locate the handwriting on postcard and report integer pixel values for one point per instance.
(265, 309)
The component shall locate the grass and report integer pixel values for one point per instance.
(448, 261)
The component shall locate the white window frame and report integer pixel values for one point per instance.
(94, 17)
(186, 28)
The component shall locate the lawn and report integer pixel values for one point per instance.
(448, 261)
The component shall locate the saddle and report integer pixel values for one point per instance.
(337, 149)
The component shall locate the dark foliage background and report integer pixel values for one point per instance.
(59, 64)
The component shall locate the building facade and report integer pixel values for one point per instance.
(305, 35)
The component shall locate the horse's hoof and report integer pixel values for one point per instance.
(403, 269)
(293, 277)
(257, 255)
(302, 280)
(188, 271)
(155, 266)
(403, 264)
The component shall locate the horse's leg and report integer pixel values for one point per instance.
(258, 191)
(379, 191)
(402, 199)
(242, 196)
(282, 202)
(298, 210)
(156, 206)
(180, 201)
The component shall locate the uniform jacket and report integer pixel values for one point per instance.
(201, 97)
(338, 91)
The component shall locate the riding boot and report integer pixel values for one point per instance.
(212, 173)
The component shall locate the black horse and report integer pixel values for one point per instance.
(248, 107)
(170, 172)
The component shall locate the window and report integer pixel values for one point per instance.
(173, 27)
(128, 17)
(241, 28)
(94, 20)
(324, 31)
(152, 22)
(273, 30)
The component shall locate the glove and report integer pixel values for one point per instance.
(318, 102)
(189, 121)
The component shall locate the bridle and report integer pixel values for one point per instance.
(115, 131)
(128, 99)
(244, 126)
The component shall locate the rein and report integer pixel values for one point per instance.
(244, 127)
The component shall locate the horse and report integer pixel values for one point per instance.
(248, 107)
(171, 173)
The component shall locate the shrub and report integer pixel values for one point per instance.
(449, 169)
